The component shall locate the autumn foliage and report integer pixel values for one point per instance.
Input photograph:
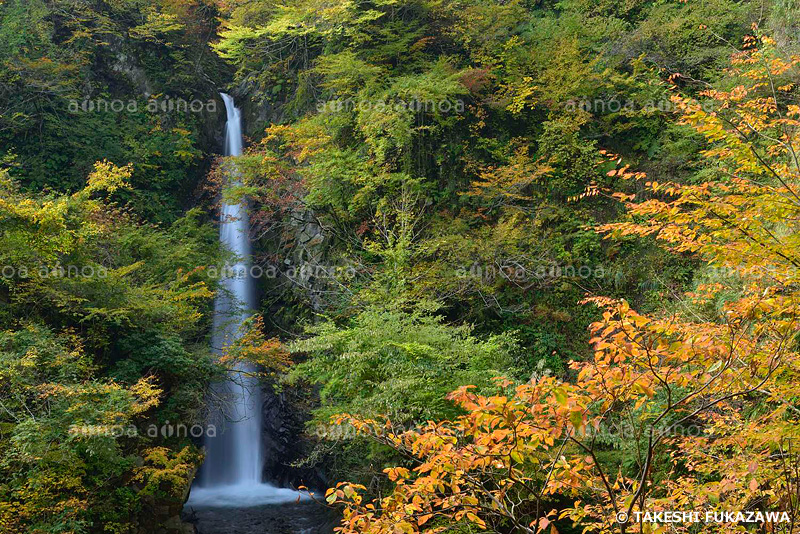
(705, 392)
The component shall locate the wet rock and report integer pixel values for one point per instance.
(188, 486)
(284, 417)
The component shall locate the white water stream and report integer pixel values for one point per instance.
(231, 475)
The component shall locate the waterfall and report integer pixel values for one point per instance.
(232, 472)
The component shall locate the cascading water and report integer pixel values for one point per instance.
(232, 472)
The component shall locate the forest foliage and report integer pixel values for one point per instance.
(700, 400)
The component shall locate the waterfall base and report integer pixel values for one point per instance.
(242, 496)
(304, 517)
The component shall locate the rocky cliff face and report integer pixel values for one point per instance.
(285, 414)
(163, 514)
(163, 517)
(256, 115)
(301, 250)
